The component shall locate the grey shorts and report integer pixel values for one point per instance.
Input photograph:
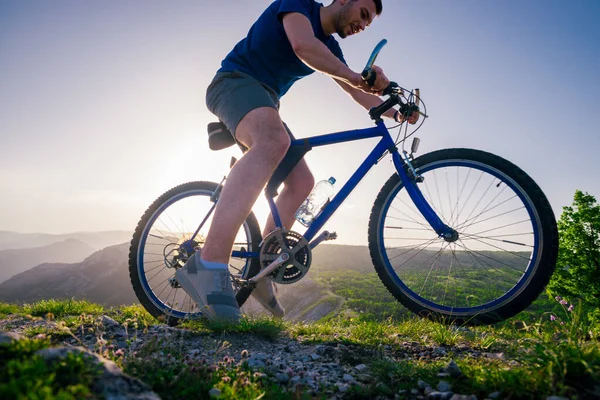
(232, 95)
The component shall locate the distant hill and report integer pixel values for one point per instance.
(97, 240)
(13, 262)
(338, 257)
(102, 277)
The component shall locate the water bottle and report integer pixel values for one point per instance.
(320, 195)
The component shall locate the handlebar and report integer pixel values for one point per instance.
(393, 90)
(368, 74)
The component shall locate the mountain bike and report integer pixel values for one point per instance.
(456, 235)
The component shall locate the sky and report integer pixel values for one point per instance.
(102, 102)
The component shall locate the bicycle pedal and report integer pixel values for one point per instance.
(325, 235)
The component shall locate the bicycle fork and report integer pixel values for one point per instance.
(410, 183)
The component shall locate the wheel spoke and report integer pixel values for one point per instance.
(166, 229)
(496, 241)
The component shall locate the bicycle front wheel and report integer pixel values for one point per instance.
(167, 235)
(507, 239)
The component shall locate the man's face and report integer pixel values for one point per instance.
(354, 16)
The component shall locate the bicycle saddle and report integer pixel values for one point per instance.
(219, 137)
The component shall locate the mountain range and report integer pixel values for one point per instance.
(103, 277)
(20, 252)
(15, 261)
(96, 240)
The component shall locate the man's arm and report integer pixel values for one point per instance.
(366, 100)
(316, 55)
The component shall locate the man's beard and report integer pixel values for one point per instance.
(341, 20)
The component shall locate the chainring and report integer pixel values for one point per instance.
(293, 243)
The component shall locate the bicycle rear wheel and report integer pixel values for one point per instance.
(163, 242)
(507, 239)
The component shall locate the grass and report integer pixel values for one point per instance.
(543, 355)
(6, 309)
(25, 375)
(62, 308)
(132, 314)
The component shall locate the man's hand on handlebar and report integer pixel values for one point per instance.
(381, 82)
(414, 117)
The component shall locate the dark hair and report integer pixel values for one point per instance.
(378, 6)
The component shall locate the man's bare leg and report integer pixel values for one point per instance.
(262, 131)
(297, 187)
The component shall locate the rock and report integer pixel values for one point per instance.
(440, 351)
(453, 369)
(282, 377)
(315, 356)
(556, 398)
(444, 386)
(342, 387)
(325, 350)
(440, 395)
(443, 375)
(214, 392)
(428, 390)
(422, 384)
(254, 363)
(361, 367)
(111, 383)
(109, 322)
(9, 337)
(348, 378)
(463, 397)
(257, 360)
(495, 356)
(494, 395)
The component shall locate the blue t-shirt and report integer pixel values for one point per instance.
(266, 53)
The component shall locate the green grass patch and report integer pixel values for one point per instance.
(7, 309)
(267, 327)
(133, 315)
(347, 331)
(55, 334)
(62, 308)
(25, 375)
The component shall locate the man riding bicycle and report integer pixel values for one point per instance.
(290, 40)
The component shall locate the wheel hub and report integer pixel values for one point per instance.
(451, 236)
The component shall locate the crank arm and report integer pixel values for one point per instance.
(283, 257)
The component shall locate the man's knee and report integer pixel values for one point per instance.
(263, 129)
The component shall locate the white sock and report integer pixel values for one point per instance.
(213, 264)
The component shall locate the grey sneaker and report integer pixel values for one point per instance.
(264, 292)
(209, 287)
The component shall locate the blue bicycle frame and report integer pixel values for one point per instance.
(385, 144)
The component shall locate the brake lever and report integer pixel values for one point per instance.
(392, 88)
